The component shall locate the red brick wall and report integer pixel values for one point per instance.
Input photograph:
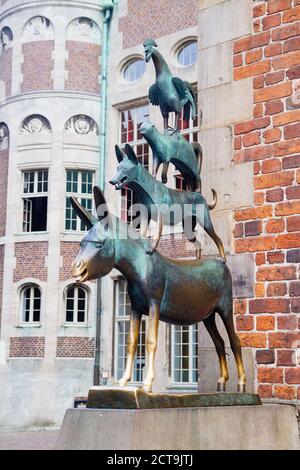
(3, 189)
(155, 19)
(27, 346)
(75, 346)
(2, 252)
(83, 67)
(270, 322)
(68, 252)
(174, 247)
(37, 66)
(6, 70)
(30, 260)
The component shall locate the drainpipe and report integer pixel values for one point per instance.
(107, 12)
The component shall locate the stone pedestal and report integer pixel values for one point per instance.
(269, 427)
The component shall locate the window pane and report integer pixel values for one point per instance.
(134, 70)
(72, 181)
(188, 54)
(28, 182)
(185, 353)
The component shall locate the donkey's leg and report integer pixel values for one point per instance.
(211, 327)
(208, 227)
(151, 344)
(227, 317)
(132, 340)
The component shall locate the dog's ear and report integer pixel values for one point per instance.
(131, 154)
(119, 154)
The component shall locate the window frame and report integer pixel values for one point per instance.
(191, 356)
(75, 304)
(183, 47)
(32, 298)
(82, 198)
(27, 196)
(129, 63)
(127, 193)
(142, 335)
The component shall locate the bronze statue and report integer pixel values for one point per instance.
(181, 292)
(170, 93)
(158, 199)
(174, 148)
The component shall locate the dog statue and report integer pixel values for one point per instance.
(159, 201)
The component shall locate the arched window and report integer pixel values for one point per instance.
(31, 304)
(76, 304)
(187, 55)
(134, 70)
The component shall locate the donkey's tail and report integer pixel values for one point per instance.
(214, 203)
(198, 153)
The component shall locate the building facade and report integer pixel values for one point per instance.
(246, 76)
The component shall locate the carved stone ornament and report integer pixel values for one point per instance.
(83, 29)
(6, 38)
(38, 28)
(81, 124)
(35, 124)
(4, 137)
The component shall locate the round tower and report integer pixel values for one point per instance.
(50, 56)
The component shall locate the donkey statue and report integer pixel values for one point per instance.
(180, 292)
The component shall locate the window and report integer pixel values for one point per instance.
(185, 354)
(30, 304)
(180, 183)
(80, 185)
(122, 319)
(130, 123)
(35, 200)
(76, 305)
(187, 55)
(134, 70)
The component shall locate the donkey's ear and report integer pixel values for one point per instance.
(119, 154)
(84, 215)
(101, 206)
(131, 154)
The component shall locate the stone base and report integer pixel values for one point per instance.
(266, 427)
(135, 398)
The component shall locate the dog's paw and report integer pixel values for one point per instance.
(149, 251)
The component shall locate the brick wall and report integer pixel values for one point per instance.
(155, 19)
(37, 66)
(2, 252)
(3, 189)
(75, 346)
(270, 229)
(6, 70)
(68, 252)
(31, 260)
(27, 346)
(83, 67)
(174, 247)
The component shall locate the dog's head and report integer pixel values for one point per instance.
(127, 168)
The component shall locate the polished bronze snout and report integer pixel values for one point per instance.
(79, 269)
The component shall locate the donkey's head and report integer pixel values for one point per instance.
(96, 257)
(149, 45)
(127, 168)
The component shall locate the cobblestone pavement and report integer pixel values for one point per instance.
(30, 440)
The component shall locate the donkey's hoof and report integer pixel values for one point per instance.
(221, 387)
(241, 388)
(147, 388)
